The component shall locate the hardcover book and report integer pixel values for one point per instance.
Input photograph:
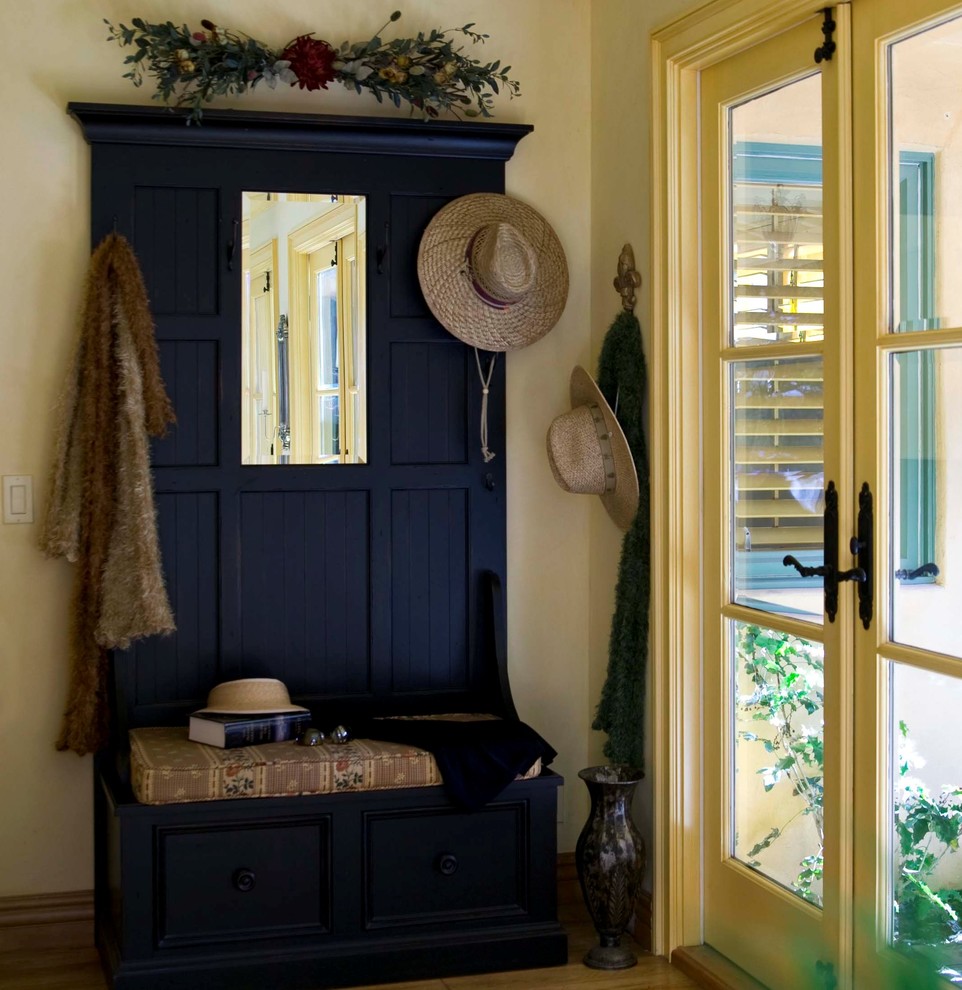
(227, 730)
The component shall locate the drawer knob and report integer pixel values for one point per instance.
(447, 864)
(244, 880)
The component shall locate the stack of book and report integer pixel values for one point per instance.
(229, 729)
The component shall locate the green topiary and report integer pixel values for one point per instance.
(622, 378)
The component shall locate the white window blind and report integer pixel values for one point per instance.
(778, 297)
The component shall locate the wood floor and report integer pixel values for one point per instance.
(79, 969)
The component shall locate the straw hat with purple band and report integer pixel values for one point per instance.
(254, 695)
(493, 271)
(589, 454)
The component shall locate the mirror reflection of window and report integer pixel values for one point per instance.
(304, 350)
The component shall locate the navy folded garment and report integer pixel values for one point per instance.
(477, 759)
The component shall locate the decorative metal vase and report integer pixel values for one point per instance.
(610, 857)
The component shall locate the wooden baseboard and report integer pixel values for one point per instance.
(711, 970)
(65, 920)
(47, 921)
(571, 903)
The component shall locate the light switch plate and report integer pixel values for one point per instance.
(18, 498)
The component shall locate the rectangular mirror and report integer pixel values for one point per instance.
(304, 363)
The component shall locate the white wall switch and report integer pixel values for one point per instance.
(17, 498)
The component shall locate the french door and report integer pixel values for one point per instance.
(832, 380)
(775, 331)
(907, 61)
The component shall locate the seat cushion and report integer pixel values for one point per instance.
(168, 768)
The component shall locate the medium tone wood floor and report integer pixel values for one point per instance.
(79, 969)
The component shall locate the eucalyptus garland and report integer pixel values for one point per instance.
(430, 71)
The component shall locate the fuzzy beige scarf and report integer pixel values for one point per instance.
(101, 512)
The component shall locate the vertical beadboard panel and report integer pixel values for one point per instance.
(409, 217)
(190, 372)
(429, 402)
(175, 238)
(429, 586)
(305, 590)
(183, 665)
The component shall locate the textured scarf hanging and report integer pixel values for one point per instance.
(621, 712)
(101, 512)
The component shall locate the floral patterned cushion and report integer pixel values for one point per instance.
(168, 768)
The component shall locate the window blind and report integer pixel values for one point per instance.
(777, 407)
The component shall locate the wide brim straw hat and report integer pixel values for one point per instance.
(493, 271)
(589, 453)
(250, 695)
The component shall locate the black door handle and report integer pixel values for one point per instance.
(860, 545)
(924, 570)
(789, 561)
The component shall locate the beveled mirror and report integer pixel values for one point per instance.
(304, 364)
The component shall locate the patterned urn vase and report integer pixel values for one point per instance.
(610, 857)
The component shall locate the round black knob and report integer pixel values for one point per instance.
(447, 864)
(244, 880)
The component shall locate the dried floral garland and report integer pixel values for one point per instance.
(429, 71)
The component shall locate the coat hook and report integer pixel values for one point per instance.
(628, 279)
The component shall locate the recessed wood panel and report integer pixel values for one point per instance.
(429, 590)
(221, 882)
(305, 591)
(190, 372)
(181, 666)
(429, 402)
(446, 871)
(175, 238)
(410, 216)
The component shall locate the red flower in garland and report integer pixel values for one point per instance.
(311, 61)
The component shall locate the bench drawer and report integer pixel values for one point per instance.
(432, 864)
(230, 882)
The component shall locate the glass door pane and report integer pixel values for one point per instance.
(925, 109)
(779, 767)
(926, 476)
(777, 409)
(776, 222)
(926, 787)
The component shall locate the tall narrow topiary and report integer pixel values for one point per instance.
(622, 377)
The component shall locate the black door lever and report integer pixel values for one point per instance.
(828, 571)
(925, 570)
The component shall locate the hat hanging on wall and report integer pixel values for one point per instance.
(493, 271)
(494, 274)
(589, 454)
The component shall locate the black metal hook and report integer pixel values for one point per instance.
(382, 253)
(826, 49)
(232, 247)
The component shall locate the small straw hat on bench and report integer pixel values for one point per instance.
(250, 695)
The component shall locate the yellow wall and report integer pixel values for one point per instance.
(62, 55)
(584, 71)
(621, 195)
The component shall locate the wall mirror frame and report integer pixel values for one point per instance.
(304, 304)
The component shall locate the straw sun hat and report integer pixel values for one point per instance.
(589, 454)
(493, 271)
(254, 695)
